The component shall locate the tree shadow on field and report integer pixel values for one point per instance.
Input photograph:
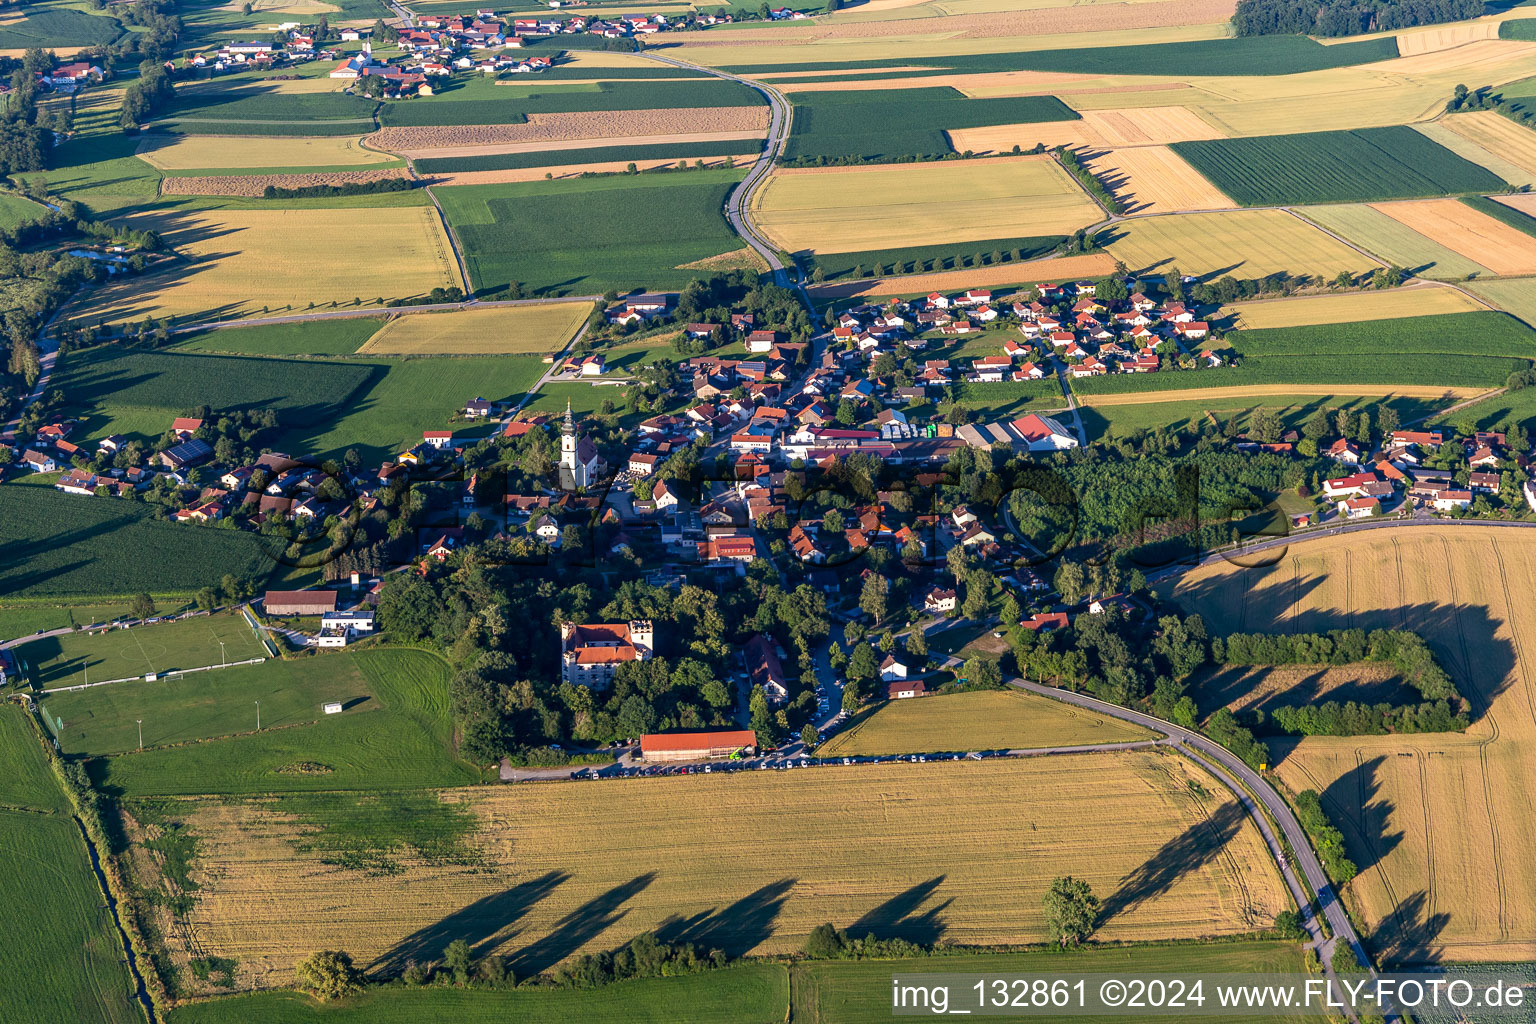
(1408, 934)
(902, 916)
(735, 929)
(1355, 807)
(579, 927)
(1189, 851)
(484, 924)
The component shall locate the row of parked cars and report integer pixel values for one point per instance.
(763, 764)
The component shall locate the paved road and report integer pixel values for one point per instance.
(47, 356)
(739, 206)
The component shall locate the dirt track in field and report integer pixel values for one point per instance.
(598, 124)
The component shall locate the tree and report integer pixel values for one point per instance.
(458, 959)
(978, 594)
(328, 974)
(142, 606)
(809, 736)
(1071, 911)
(1069, 582)
(917, 643)
(874, 597)
(824, 943)
(982, 672)
(862, 665)
(207, 599)
(850, 696)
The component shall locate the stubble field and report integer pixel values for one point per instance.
(568, 867)
(1350, 307)
(1057, 269)
(884, 207)
(190, 152)
(244, 262)
(1473, 234)
(1497, 134)
(1128, 126)
(495, 331)
(984, 720)
(1243, 243)
(1155, 179)
(1433, 821)
(1392, 241)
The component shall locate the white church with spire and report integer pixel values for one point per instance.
(580, 464)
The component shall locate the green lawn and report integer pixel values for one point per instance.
(855, 992)
(16, 210)
(340, 337)
(204, 705)
(18, 620)
(1011, 399)
(74, 658)
(746, 994)
(56, 545)
(65, 958)
(404, 744)
(602, 241)
(1294, 409)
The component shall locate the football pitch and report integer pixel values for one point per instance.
(78, 658)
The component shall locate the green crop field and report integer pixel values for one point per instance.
(58, 544)
(1250, 55)
(15, 211)
(1011, 399)
(138, 393)
(76, 658)
(408, 396)
(903, 122)
(922, 259)
(340, 337)
(1497, 411)
(402, 744)
(205, 705)
(594, 154)
(744, 994)
(251, 108)
(1120, 420)
(1341, 166)
(856, 992)
(506, 234)
(1523, 29)
(1452, 335)
(57, 25)
(67, 962)
(481, 101)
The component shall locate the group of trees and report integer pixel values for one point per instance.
(1346, 17)
(151, 92)
(1089, 180)
(24, 140)
(1405, 651)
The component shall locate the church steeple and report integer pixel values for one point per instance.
(570, 420)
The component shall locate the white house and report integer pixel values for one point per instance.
(892, 670)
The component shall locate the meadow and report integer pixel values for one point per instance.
(852, 845)
(239, 262)
(1009, 399)
(339, 337)
(982, 720)
(62, 545)
(72, 659)
(139, 392)
(856, 209)
(57, 25)
(1348, 307)
(481, 102)
(1517, 295)
(499, 330)
(902, 122)
(402, 743)
(18, 620)
(408, 396)
(1341, 166)
(71, 965)
(1242, 243)
(589, 154)
(1120, 415)
(1427, 818)
(744, 994)
(254, 108)
(205, 705)
(1394, 242)
(505, 231)
(15, 210)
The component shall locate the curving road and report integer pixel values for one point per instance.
(738, 206)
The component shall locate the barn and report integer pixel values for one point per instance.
(697, 746)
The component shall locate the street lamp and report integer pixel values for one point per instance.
(141, 732)
(224, 662)
(258, 716)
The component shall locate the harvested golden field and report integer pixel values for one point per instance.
(1469, 59)
(256, 184)
(1439, 131)
(1155, 179)
(498, 330)
(984, 720)
(1061, 268)
(1268, 390)
(1499, 135)
(1393, 242)
(598, 124)
(751, 862)
(191, 152)
(1245, 690)
(1243, 243)
(245, 262)
(449, 178)
(1474, 234)
(1525, 202)
(1350, 307)
(1127, 126)
(745, 258)
(1445, 37)
(850, 209)
(1437, 823)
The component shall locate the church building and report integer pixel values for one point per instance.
(580, 464)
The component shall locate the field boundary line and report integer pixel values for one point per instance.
(133, 679)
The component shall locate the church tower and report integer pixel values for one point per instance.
(570, 478)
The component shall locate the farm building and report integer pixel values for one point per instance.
(697, 746)
(299, 602)
(905, 688)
